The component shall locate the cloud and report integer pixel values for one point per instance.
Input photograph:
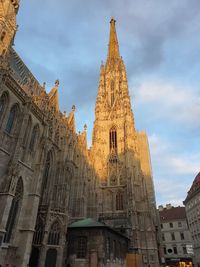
(177, 104)
(173, 172)
(164, 154)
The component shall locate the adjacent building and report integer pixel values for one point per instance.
(192, 206)
(93, 241)
(49, 180)
(176, 237)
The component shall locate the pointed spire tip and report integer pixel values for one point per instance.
(112, 20)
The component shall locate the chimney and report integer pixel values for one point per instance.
(160, 207)
(168, 206)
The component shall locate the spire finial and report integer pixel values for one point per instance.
(113, 47)
(56, 83)
(73, 108)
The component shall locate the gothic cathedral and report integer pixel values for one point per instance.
(62, 204)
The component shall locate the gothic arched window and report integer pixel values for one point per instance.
(11, 118)
(112, 87)
(14, 211)
(39, 232)
(27, 132)
(46, 174)
(113, 139)
(119, 201)
(3, 36)
(54, 234)
(34, 136)
(3, 104)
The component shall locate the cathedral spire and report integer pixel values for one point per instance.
(53, 96)
(113, 47)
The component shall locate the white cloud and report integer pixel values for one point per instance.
(169, 101)
(174, 171)
(164, 155)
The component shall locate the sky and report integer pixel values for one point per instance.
(160, 45)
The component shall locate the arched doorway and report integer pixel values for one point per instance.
(51, 258)
(34, 257)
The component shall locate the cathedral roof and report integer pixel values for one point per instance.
(194, 188)
(88, 222)
(20, 71)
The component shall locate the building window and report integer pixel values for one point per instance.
(11, 118)
(108, 248)
(161, 226)
(182, 236)
(112, 92)
(39, 233)
(165, 250)
(179, 224)
(3, 103)
(163, 237)
(11, 222)
(184, 250)
(3, 35)
(114, 249)
(82, 247)
(113, 139)
(171, 225)
(34, 136)
(46, 175)
(119, 201)
(175, 250)
(54, 234)
(173, 236)
(27, 131)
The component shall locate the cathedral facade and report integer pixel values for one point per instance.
(49, 179)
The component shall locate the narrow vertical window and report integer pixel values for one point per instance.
(11, 118)
(34, 137)
(175, 249)
(27, 132)
(173, 236)
(119, 201)
(108, 248)
(46, 175)
(182, 236)
(39, 233)
(14, 211)
(3, 36)
(112, 92)
(113, 139)
(2, 105)
(163, 237)
(54, 234)
(82, 247)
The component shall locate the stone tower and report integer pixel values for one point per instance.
(8, 27)
(120, 155)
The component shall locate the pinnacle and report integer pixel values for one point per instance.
(113, 47)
